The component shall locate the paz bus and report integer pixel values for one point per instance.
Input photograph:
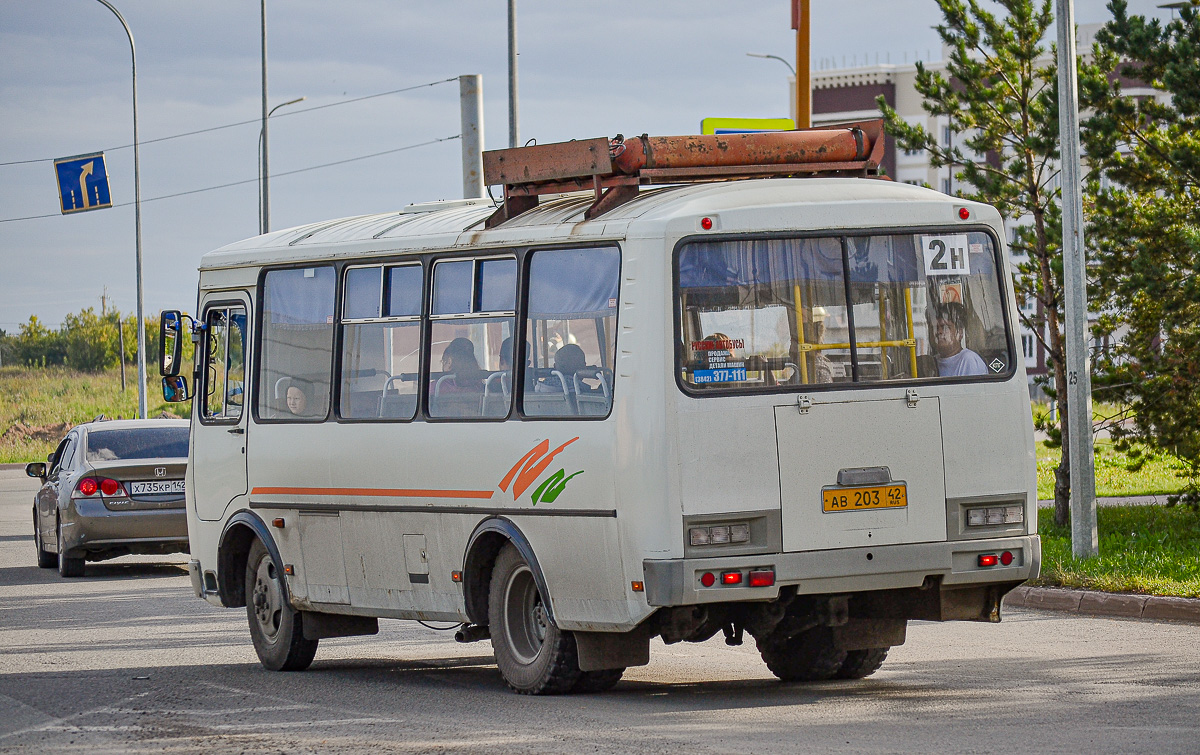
(671, 387)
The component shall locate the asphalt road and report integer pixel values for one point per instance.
(126, 660)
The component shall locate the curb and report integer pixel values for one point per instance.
(1091, 603)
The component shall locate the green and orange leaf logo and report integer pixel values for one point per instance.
(530, 466)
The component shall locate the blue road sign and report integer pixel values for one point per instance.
(82, 183)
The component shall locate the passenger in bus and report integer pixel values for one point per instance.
(820, 368)
(953, 359)
(506, 360)
(297, 400)
(461, 366)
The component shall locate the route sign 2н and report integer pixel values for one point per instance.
(82, 183)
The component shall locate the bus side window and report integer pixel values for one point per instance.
(381, 342)
(572, 330)
(473, 317)
(297, 344)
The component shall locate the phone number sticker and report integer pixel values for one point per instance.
(728, 375)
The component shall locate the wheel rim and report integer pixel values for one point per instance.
(267, 598)
(525, 616)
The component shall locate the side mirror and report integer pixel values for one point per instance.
(175, 389)
(36, 469)
(170, 327)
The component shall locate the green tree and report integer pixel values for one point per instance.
(36, 345)
(90, 339)
(1145, 229)
(999, 94)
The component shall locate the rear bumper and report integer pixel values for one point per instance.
(676, 582)
(89, 525)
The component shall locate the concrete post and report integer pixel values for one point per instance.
(1084, 538)
(470, 93)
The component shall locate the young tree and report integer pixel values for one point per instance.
(1145, 227)
(999, 95)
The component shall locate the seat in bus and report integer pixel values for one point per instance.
(394, 404)
(497, 390)
(453, 400)
(593, 401)
(550, 396)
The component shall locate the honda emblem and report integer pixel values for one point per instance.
(160, 471)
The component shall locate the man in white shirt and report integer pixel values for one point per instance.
(953, 359)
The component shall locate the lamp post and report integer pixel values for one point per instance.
(263, 180)
(790, 67)
(514, 110)
(137, 223)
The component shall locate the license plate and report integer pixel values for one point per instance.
(156, 487)
(859, 499)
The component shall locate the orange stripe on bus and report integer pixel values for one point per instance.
(377, 492)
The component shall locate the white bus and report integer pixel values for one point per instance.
(791, 407)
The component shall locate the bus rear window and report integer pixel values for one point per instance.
(766, 313)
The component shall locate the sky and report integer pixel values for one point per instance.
(587, 69)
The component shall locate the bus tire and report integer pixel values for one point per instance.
(860, 664)
(598, 681)
(275, 627)
(535, 657)
(68, 566)
(808, 657)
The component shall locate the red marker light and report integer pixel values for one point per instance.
(707, 579)
(109, 487)
(706, 223)
(731, 578)
(1006, 558)
(964, 213)
(88, 486)
(987, 559)
(762, 578)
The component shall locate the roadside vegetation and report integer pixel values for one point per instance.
(1143, 549)
(1117, 472)
(39, 404)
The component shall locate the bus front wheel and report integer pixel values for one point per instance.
(535, 657)
(274, 627)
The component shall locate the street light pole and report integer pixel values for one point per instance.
(514, 111)
(265, 200)
(261, 179)
(800, 22)
(137, 223)
(790, 67)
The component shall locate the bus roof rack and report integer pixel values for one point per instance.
(615, 168)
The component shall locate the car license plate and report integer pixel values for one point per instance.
(858, 499)
(156, 487)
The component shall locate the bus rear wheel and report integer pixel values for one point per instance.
(535, 657)
(860, 664)
(808, 657)
(275, 627)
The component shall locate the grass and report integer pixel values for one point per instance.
(48, 396)
(1159, 476)
(1143, 549)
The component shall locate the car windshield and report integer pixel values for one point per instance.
(138, 443)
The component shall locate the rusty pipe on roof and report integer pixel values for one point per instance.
(768, 148)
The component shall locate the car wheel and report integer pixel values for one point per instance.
(534, 656)
(808, 657)
(45, 559)
(68, 566)
(275, 628)
(860, 664)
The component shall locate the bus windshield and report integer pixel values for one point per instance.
(763, 313)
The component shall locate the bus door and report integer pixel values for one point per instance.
(219, 432)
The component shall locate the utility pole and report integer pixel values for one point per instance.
(470, 95)
(800, 22)
(121, 348)
(514, 111)
(1084, 538)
